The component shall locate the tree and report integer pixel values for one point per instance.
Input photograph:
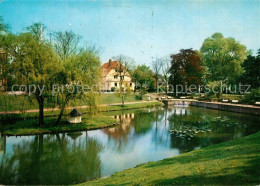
(65, 43)
(124, 69)
(156, 66)
(4, 35)
(186, 68)
(33, 64)
(165, 66)
(144, 78)
(3, 26)
(223, 57)
(251, 67)
(37, 29)
(78, 77)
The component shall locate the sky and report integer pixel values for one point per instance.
(141, 29)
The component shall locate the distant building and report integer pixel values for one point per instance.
(112, 73)
(3, 61)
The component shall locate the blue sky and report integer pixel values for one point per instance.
(142, 29)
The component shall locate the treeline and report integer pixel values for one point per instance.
(221, 63)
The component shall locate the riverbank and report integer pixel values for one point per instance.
(18, 126)
(231, 163)
(29, 127)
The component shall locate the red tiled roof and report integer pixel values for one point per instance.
(108, 66)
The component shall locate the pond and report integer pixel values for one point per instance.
(144, 135)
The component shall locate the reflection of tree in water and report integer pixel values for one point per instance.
(2, 145)
(161, 127)
(138, 122)
(143, 122)
(120, 133)
(52, 159)
(225, 126)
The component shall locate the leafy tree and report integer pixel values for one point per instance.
(186, 68)
(144, 78)
(4, 34)
(223, 57)
(33, 63)
(79, 77)
(251, 75)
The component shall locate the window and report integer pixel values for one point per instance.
(115, 76)
(115, 84)
(122, 77)
(130, 84)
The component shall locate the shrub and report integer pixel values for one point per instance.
(253, 96)
(113, 89)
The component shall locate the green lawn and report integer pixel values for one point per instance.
(22, 102)
(235, 162)
(112, 98)
(26, 127)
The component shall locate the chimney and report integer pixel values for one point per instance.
(110, 61)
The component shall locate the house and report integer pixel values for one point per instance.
(114, 73)
(3, 60)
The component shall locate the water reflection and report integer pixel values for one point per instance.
(142, 136)
(51, 159)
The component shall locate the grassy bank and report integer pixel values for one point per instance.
(24, 102)
(29, 127)
(27, 115)
(21, 124)
(235, 162)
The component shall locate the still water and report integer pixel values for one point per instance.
(143, 136)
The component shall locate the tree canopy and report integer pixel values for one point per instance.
(223, 58)
(33, 63)
(186, 68)
(251, 67)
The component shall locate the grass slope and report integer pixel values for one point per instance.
(235, 162)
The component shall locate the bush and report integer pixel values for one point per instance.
(253, 96)
(113, 89)
(138, 97)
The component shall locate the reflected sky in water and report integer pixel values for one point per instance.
(142, 136)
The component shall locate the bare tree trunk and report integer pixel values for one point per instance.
(156, 81)
(123, 101)
(166, 87)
